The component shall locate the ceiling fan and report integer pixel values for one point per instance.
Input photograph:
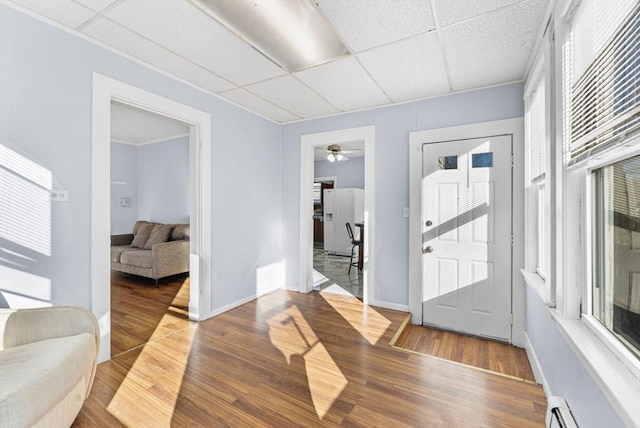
(335, 153)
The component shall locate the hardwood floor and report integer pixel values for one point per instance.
(141, 313)
(290, 359)
(472, 351)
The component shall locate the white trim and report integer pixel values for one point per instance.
(242, 301)
(307, 145)
(390, 305)
(104, 91)
(538, 374)
(514, 127)
(537, 284)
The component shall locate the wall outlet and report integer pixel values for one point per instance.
(125, 202)
(59, 195)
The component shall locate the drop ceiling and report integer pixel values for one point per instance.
(400, 50)
(131, 125)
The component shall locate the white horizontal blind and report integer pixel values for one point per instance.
(603, 67)
(536, 131)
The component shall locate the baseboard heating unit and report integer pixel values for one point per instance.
(558, 414)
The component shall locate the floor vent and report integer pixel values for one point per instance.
(558, 414)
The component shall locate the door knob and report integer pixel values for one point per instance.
(426, 250)
(428, 222)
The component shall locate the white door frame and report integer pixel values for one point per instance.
(106, 90)
(514, 127)
(308, 143)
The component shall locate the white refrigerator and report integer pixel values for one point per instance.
(339, 207)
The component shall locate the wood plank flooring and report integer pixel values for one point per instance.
(289, 360)
(485, 354)
(140, 312)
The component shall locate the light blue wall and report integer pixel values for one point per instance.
(393, 125)
(124, 184)
(163, 181)
(349, 174)
(45, 113)
(565, 374)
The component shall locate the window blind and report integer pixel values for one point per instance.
(536, 131)
(603, 67)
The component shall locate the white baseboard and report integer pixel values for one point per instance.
(535, 365)
(389, 305)
(240, 302)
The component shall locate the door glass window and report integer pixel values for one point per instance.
(482, 160)
(448, 162)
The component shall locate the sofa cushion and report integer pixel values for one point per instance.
(141, 236)
(36, 376)
(137, 225)
(160, 233)
(180, 232)
(116, 251)
(137, 258)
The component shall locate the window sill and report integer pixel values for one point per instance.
(537, 284)
(617, 381)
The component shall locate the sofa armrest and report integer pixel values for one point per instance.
(125, 239)
(22, 326)
(170, 258)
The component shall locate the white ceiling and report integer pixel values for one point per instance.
(401, 50)
(131, 125)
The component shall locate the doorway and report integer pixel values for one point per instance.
(338, 200)
(149, 182)
(309, 143)
(450, 151)
(466, 217)
(106, 90)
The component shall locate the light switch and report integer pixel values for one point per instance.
(405, 212)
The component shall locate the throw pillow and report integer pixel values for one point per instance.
(160, 233)
(141, 237)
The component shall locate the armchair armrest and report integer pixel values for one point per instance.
(170, 258)
(22, 326)
(125, 239)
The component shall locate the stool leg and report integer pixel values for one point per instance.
(351, 260)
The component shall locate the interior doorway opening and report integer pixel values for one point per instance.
(150, 188)
(323, 143)
(106, 90)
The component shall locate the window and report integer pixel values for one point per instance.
(602, 66)
(538, 111)
(616, 252)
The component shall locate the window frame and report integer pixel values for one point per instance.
(539, 243)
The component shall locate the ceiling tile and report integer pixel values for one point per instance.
(65, 12)
(187, 31)
(345, 84)
(409, 69)
(292, 95)
(131, 43)
(257, 104)
(97, 5)
(492, 48)
(450, 12)
(366, 24)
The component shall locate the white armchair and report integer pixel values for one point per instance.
(48, 360)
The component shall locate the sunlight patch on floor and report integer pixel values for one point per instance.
(132, 404)
(291, 334)
(364, 319)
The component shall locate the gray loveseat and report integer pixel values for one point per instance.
(153, 250)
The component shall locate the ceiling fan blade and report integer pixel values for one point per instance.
(352, 151)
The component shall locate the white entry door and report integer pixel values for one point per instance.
(466, 235)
